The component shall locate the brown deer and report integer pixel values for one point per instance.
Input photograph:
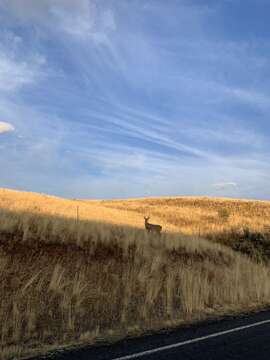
(151, 227)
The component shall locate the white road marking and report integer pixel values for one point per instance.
(191, 341)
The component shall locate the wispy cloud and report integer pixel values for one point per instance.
(225, 185)
(251, 97)
(108, 94)
(82, 19)
(16, 73)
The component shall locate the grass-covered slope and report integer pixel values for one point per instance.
(243, 225)
(64, 281)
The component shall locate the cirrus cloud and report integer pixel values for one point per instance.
(83, 19)
(15, 73)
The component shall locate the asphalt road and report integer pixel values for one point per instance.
(246, 337)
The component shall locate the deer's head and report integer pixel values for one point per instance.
(146, 218)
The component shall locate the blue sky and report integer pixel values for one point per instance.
(107, 99)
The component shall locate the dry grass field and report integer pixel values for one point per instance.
(68, 280)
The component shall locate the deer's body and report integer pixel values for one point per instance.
(152, 227)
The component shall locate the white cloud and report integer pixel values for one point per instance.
(233, 132)
(16, 73)
(176, 151)
(225, 185)
(6, 127)
(76, 19)
(80, 18)
(252, 97)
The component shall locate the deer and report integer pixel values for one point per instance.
(151, 227)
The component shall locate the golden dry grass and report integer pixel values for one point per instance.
(66, 282)
(188, 215)
(199, 215)
(88, 210)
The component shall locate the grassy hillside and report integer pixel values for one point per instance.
(195, 215)
(64, 281)
(189, 215)
(243, 225)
